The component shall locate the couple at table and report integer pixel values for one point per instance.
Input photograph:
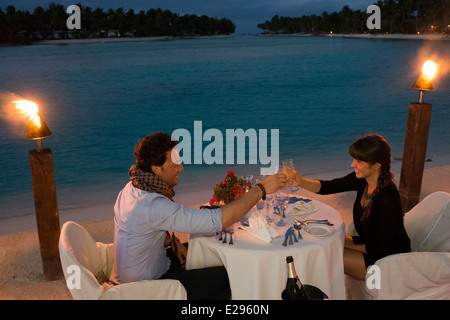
(145, 213)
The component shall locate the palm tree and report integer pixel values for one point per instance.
(58, 18)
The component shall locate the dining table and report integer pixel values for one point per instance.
(257, 269)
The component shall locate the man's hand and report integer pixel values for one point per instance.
(238, 208)
(274, 182)
(180, 252)
(178, 249)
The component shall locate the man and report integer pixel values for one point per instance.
(145, 212)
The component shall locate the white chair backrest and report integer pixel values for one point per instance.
(428, 224)
(78, 248)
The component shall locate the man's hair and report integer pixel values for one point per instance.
(151, 151)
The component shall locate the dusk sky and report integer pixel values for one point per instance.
(246, 14)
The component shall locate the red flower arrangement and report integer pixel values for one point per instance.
(228, 190)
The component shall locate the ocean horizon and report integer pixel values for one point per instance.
(318, 93)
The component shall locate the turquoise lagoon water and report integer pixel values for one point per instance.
(99, 99)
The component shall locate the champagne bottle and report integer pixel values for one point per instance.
(294, 288)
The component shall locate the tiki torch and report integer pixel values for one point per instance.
(44, 190)
(416, 139)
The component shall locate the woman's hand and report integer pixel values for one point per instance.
(297, 178)
(310, 185)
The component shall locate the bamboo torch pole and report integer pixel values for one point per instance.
(416, 140)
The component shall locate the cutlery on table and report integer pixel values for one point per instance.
(315, 221)
(276, 211)
(223, 235)
(245, 223)
(298, 226)
(287, 235)
(305, 223)
(311, 221)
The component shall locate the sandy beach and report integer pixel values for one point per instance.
(125, 39)
(435, 37)
(21, 276)
(384, 36)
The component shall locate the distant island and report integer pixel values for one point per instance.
(397, 17)
(19, 27)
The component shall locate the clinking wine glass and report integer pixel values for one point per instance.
(289, 170)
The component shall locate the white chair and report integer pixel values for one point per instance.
(424, 273)
(82, 256)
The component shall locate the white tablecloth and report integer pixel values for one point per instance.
(257, 270)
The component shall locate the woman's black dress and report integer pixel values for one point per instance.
(383, 231)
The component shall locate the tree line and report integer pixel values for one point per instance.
(18, 26)
(397, 16)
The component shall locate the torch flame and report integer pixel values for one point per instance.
(29, 108)
(429, 69)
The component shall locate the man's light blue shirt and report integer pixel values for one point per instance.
(140, 224)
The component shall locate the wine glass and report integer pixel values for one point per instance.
(264, 203)
(281, 201)
(289, 170)
(269, 203)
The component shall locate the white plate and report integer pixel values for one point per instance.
(318, 230)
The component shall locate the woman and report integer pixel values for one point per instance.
(377, 211)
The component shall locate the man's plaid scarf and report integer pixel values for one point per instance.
(149, 182)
